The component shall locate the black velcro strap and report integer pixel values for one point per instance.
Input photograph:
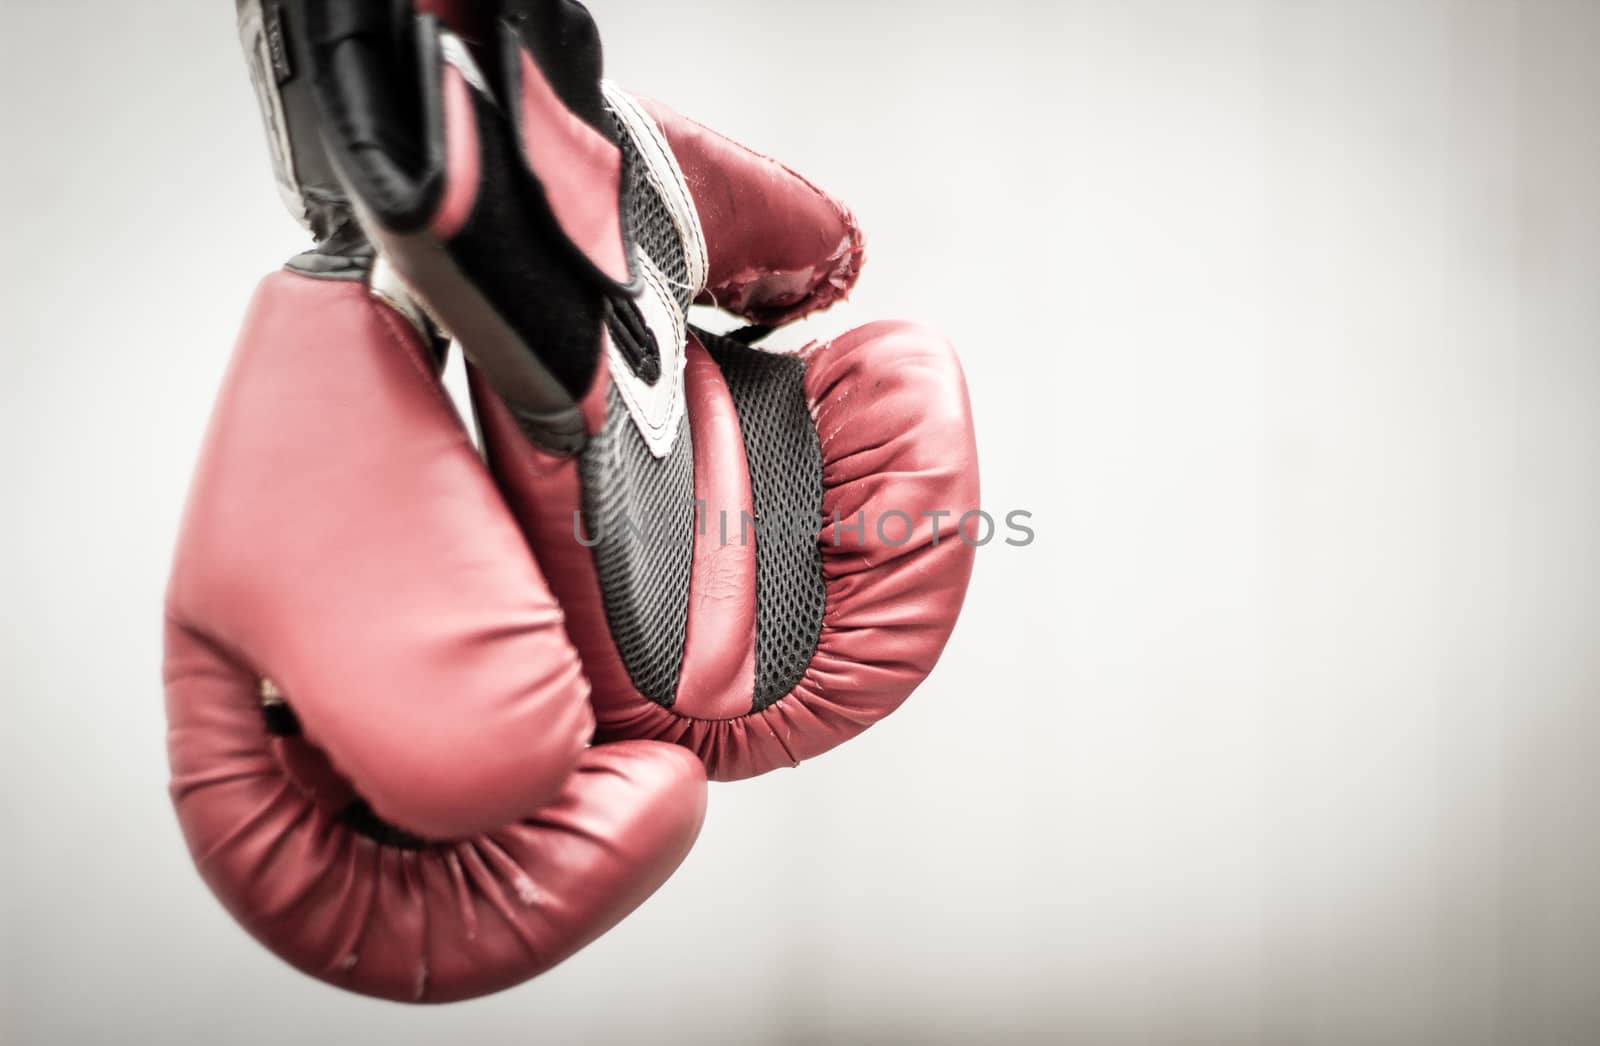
(352, 19)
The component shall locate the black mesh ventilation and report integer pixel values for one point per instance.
(785, 456)
(650, 223)
(640, 510)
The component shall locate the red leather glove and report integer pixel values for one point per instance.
(758, 555)
(378, 728)
(784, 566)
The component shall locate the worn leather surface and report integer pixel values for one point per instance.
(719, 657)
(779, 247)
(343, 540)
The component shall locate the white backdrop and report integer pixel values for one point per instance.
(1281, 318)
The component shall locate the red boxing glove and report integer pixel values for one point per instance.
(377, 724)
(758, 555)
(784, 567)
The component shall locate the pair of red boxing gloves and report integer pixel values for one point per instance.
(438, 718)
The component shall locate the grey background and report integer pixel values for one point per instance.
(1281, 317)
